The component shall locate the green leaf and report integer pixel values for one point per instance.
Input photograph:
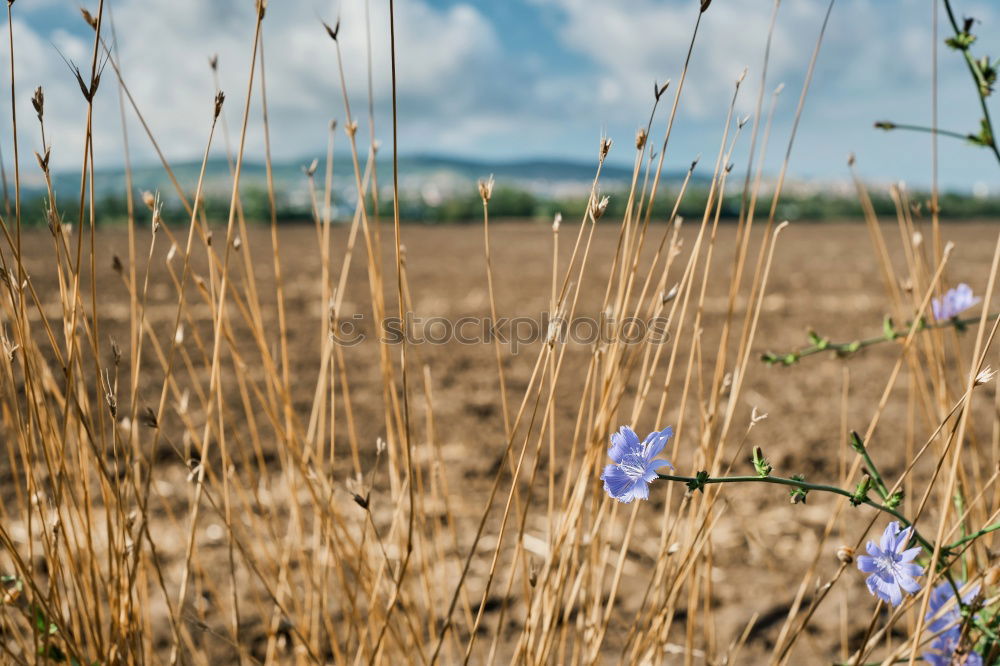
(985, 136)
(798, 495)
(698, 482)
(42, 623)
(856, 442)
(760, 463)
(861, 491)
(961, 41)
(888, 329)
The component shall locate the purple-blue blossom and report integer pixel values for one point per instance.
(635, 463)
(891, 565)
(954, 302)
(946, 621)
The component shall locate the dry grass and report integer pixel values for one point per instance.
(176, 462)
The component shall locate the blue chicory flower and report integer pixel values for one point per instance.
(942, 651)
(634, 466)
(946, 623)
(953, 302)
(891, 567)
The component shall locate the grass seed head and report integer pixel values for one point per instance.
(116, 350)
(640, 138)
(89, 18)
(486, 188)
(43, 162)
(220, 97)
(334, 31)
(110, 394)
(597, 208)
(38, 101)
(148, 418)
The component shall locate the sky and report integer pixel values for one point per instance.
(512, 79)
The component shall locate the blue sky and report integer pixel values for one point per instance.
(509, 79)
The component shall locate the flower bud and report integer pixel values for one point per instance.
(845, 554)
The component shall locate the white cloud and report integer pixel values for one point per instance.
(634, 43)
(164, 50)
(875, 63)
(469, 86)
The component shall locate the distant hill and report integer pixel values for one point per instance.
(435, 188)
(434, 177)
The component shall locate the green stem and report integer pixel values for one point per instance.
(862, 450)
(804, 485)
(974, 70)
(845, 348)
(972, 537)
(901, 660)
(807, 486)
(888, 126)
